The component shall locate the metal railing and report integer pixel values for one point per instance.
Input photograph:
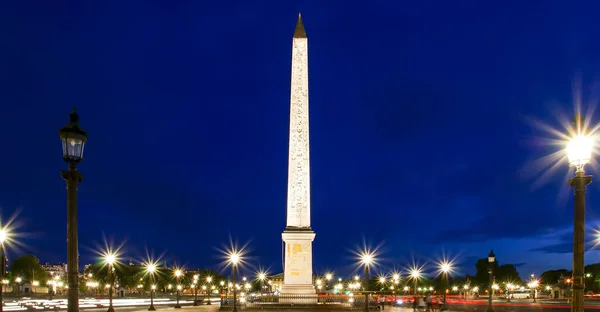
(329, 301)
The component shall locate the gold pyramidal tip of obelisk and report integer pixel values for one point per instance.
(299, 32)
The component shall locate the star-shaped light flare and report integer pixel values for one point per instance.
(234, 254)
(576, 137)
(445, 266)
(367, 255)
(10, 237)
(108, 254)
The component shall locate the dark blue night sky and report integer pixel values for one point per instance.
(421, 136)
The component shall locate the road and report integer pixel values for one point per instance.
(130, 304)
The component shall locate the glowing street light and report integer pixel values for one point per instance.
(491, 263)
(209, 281)
(110, 260)
(3, 237)
(151, 269)
(509, 288)
(366, 259)
(234, 259)
(261, 277)
(178, 274)
(415, 274)
(73, 140)
(579, 154)
(445, 268)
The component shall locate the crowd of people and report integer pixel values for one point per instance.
(428, 303)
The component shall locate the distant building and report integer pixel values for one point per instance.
(59, 269)
(275, 282)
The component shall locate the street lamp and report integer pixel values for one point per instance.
(415, 274)
(194, 284)
(579, 153)
(445, 269)
(261, 277)
(209, 281)
(509, 288)
(491, 263)
(151, 268)
(234, 259)
(366, 259)
(178, 274)
(110, 260)
(3, 236)
(73, 140)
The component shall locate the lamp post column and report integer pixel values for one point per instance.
(152, 289)
(491, 262)
(235, 309)
(73, 179)
(579, 183)
(111, 277)
(209, 289)
(3, 269)
(73, 140)
(445, 279)
(366, 287)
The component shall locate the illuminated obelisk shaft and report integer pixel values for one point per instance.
(298, 235)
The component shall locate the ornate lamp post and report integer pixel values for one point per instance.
(261, 277)
(208, 287)
(73, 140)
(110, 261)
(234, 259)
(491, 263)
(195, 286)
(579, 152)
(3, 235)
(151, 268)
(415, 274)
(445, 269)
(509, 288)
(366, 260)
(178, 274)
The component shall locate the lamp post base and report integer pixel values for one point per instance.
(110, 309)
(152, 308)
(195, 303)
(489, 310)
(208, 301)
(177, 306)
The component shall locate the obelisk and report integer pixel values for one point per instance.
(298, 235)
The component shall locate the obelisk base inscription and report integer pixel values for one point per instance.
(298, 277)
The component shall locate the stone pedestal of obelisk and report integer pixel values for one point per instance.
(298, 235)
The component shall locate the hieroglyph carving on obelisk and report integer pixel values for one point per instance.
(298, 197)
(298, 235)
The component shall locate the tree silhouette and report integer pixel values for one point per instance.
(28, 268)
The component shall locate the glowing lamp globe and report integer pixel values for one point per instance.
(110, 259)
(366, 259)
(234, 258)
(415, 273)
(2, 235)
(579, 151)
(151, 268)
(73, 139)
(491, 257)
